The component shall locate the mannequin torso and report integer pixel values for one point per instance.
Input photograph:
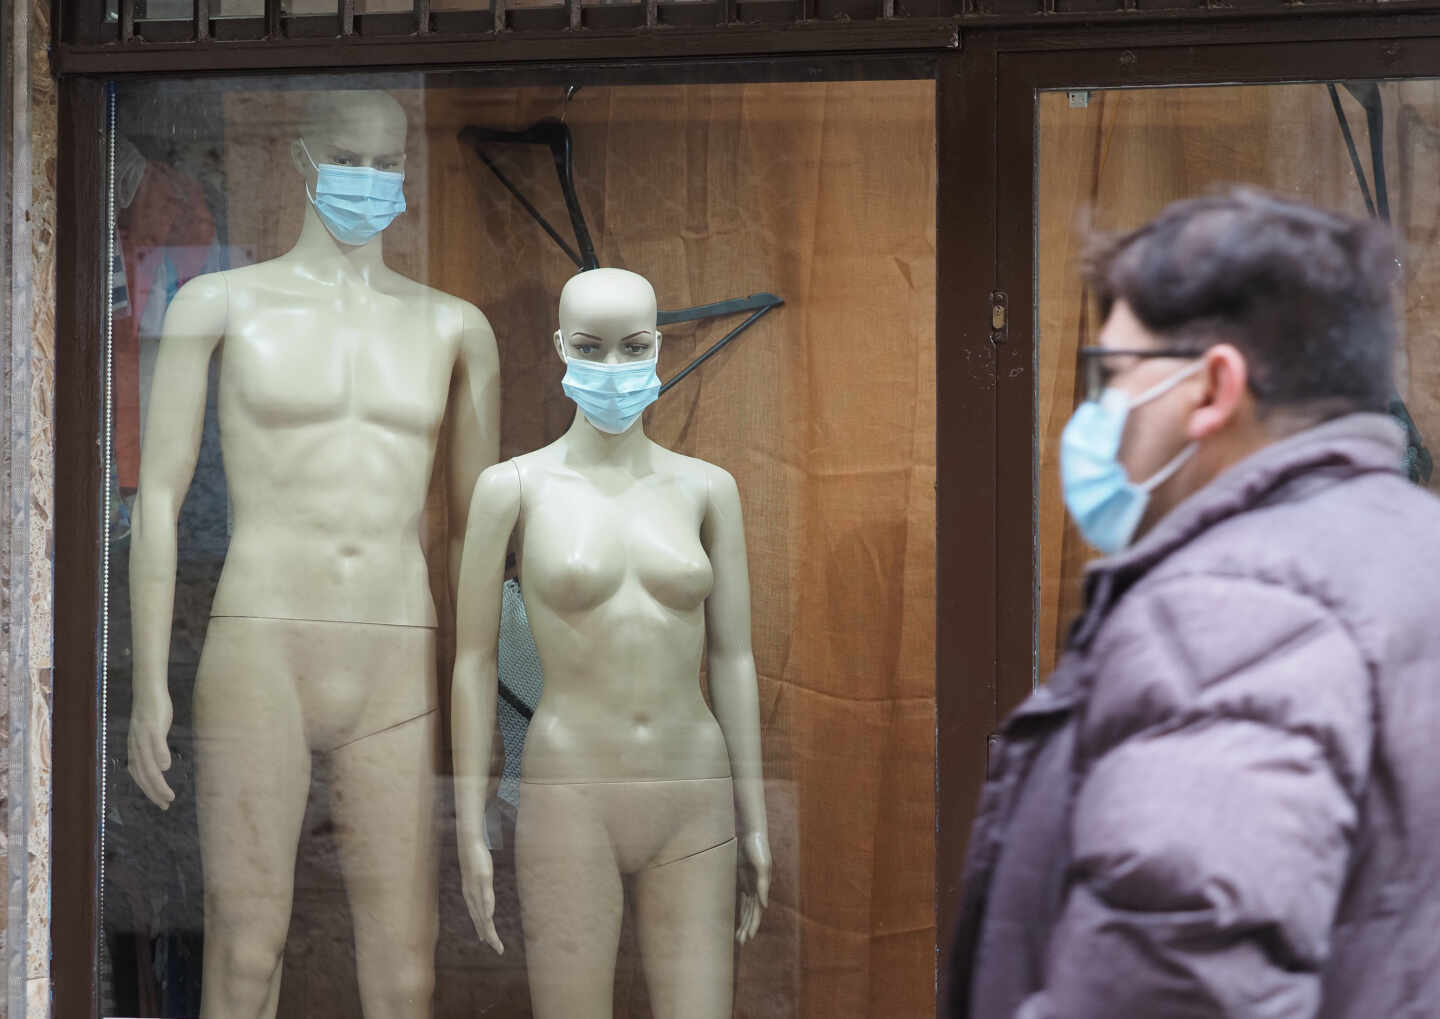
(331, 397)
(615, 580)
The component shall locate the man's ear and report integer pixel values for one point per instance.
(559, 344)
(1227, 392)
(657, 344)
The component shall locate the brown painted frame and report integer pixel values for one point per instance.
(985, 85)
(79, 332)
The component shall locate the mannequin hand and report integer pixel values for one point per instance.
(148, 752)
(477, 874)
(754, 884)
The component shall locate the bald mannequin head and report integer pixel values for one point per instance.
(362, 128)
(608, 315)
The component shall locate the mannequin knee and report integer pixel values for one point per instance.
(402, 987)
(240, 969)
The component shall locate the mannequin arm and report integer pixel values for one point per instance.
(493, 511)
(733, 688)
(475, 424)
(194, 324)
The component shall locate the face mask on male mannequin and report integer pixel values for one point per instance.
(355, 202)
(1105, 504)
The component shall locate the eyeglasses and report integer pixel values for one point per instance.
(1097, 372)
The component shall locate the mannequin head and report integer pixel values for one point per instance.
(364, 128)
(608, 315)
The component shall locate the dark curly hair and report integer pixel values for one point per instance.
(1306, 295)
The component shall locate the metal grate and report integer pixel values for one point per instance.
(127, 36)
(136, 22)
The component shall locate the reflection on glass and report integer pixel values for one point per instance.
(308, 428)
(461, 5)
(1110, 160)
(238, 9)
(164, 10)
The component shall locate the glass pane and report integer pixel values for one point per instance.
(1110, 160)
(164, 10)
(305, 383)
(238, 9)
(298, 8)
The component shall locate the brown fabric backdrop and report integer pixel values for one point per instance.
(1119, 161)
(824, 412)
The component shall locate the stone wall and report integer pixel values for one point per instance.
(26, 502)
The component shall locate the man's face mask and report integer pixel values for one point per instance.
(1106, 505)
(355, 202)
(611, 396)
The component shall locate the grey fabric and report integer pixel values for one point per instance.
(519, 669)
(1226, 802)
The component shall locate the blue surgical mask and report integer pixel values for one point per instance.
(1106, 505)
(612, 396)
(355, 202)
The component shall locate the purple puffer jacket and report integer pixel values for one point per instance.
(1226, 800)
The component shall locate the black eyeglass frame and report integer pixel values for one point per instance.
(1092, 360)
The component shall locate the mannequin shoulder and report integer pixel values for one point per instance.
(497, 493)
(459, 323)
(715, 483)
(538, 466)
(247, 287)
(451, 315)
(723, 513)
(470, 317)
(209, 286)
(200, 309)
(477, 338)
(723, 491)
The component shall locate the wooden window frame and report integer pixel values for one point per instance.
(986, 76)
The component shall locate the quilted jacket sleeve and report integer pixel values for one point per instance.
(1226, 746)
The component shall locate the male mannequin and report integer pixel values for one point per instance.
(335, 377)
(632, 561)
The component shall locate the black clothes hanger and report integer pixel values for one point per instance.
(554, 134)
(756, 304)
(1367, 94)
(1418, 461)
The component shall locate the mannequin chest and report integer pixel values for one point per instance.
(295, 361)
(583, 547)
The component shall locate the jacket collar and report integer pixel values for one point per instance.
(1342, 448)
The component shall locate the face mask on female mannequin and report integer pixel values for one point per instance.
(611, 396)
(355, 202)
(1105, 504)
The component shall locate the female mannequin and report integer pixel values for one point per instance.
(632, 560)
(335, 376)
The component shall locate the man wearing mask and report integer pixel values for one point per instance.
(1226, 800)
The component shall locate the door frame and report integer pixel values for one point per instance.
(1025, 67)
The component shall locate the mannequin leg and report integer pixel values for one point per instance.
(252, 781)
(571, 902)
(685, 918)
(383, 805)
